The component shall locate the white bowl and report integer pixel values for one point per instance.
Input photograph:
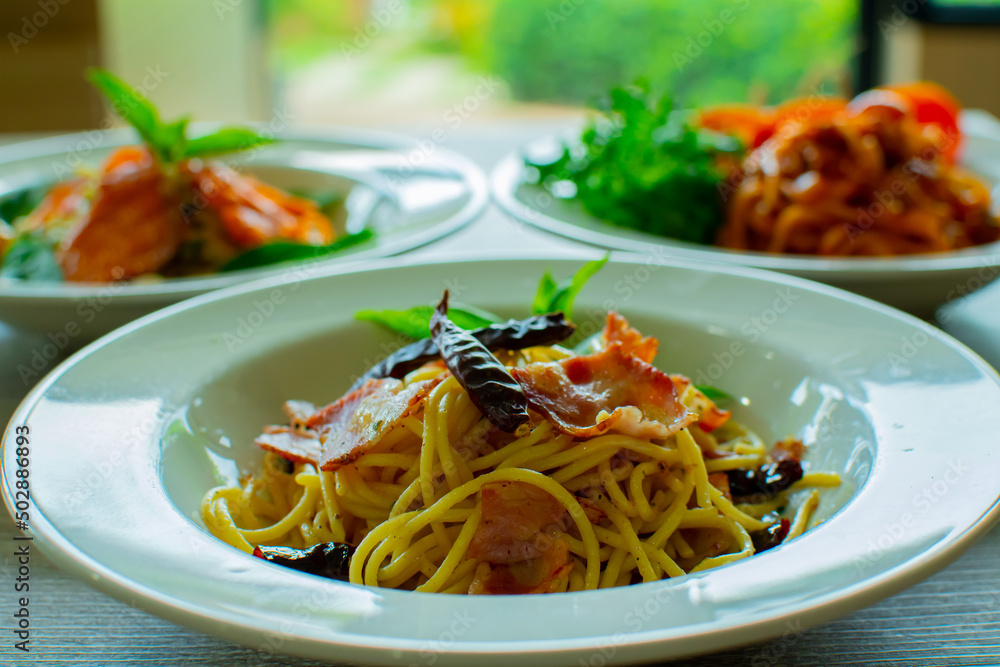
(914, 283)
(388, 183)
(127, 435)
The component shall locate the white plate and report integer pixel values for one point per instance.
(916, 283)
(128, 434)
(390, 185)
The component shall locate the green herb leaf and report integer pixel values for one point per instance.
(137, 111)
(31, 257)
(639, 166)
(21, 203)
(552, 297)
(282, 251)
(713, 393)
(415, 322)
(226, 140)
(547, 289)
(168, 141)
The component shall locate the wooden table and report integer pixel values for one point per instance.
(953, 618)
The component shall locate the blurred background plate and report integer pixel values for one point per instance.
(383, 182)
(914, 283)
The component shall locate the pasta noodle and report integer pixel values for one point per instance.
(872, 183)
(431, 503)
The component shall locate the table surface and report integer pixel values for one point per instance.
(952, 618)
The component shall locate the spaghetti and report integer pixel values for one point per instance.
(856, 182)
(433, 497)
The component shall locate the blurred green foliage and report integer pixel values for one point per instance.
(573, 51)
(706, 52)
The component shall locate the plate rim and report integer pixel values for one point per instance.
(561, 651)
(471, 174)
(507, 176)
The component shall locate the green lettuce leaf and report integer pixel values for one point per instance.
(285, 251)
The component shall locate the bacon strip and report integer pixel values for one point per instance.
(519, 538)
(617, 329)
(341, 432)
(349, 427)
(710, 416)
(294, 445)
(609, 391)
(298, 412)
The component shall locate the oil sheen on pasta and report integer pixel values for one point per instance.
(442, 501)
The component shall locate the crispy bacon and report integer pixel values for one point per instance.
(710, 416)
(518, 539)
(609, 391)
(294, 445)
(617, 329)
(341, 432)
(789, 449)
(298, 413)
(348, 427)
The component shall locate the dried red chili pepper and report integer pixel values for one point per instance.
(330, 559)
(510, 335)
(767, 481)
(491, 388)
(771, 537)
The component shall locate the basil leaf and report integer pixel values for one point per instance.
(415, 322)
(286, 251)
(713, 393)
(547, 288)
(168, 141)
(31, 258)
(137, 111)
(172, 139)
(552, 297)
(226, 140)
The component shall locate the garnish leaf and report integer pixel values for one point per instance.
(136, 110)
(282, 251)
(31, 257)
(547, 288)
(713, 393)
(553, 297)
(415, 322)
(168, 141)
(21, 203)
(226, 140)
(641, 166)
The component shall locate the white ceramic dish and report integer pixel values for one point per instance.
(916, 284)
(389, 185)
(128, 434)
